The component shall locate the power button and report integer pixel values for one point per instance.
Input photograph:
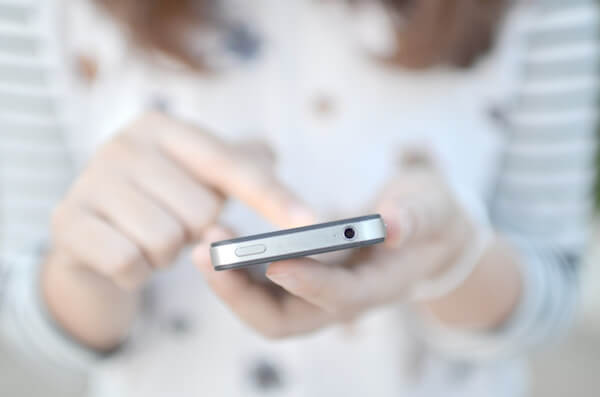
(250, 250)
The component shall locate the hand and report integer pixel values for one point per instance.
(154, 188)
(426, 233)
(148, 192)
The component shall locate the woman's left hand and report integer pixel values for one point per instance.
(427, 232)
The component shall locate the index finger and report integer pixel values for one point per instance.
(224, 168)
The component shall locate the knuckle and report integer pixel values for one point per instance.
(198, 221)
(166, 244)
(133, 277)
(120, 260)
(197, 224)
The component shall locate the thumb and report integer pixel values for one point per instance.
(413, 215)
(332, 288)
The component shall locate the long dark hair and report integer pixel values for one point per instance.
(430, 32)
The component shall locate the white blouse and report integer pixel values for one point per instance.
(300, 76)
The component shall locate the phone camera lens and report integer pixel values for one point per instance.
(349, 233)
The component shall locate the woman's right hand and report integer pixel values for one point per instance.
(149, 191)
(153, 188)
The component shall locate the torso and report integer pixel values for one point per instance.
(336, 119)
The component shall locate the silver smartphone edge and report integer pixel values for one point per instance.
(298, 242)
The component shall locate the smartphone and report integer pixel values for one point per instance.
(301, 241)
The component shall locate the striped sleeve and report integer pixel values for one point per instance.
(35, 169)
(543, 200)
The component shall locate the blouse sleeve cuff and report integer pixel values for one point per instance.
(28, 324)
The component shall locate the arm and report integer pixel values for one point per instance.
(152, 189)
(542, 204)
(35, 169)
(488, 297)
(521, 288)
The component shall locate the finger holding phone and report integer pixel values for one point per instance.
(148, 192)
(427, 234)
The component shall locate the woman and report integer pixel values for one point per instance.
(338, 92)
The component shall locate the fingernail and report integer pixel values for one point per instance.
(300, 215)
(284, 280)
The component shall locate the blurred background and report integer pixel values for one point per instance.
(569, 368)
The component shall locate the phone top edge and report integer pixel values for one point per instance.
(299, 254)
(294, 230)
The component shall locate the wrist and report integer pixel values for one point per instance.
(87, 305)
(458, 269)
(486, 298)
(471, 234)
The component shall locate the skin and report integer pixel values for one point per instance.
(124, 203)
(150, 191)
(427, 233)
